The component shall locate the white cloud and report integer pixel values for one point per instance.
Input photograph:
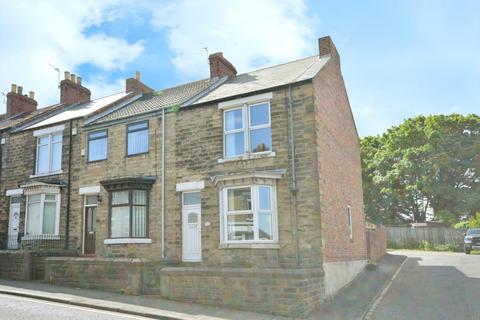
(36, 33)
(250, 33)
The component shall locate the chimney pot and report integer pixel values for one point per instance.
(31, 95)
(72, 91)
(18, 103)
(137, 75)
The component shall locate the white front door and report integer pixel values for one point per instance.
(13, 223)
(191, 225)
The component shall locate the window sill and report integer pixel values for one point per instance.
(46, 174)
(249, 246)
(128, 241)
(248, 156)
(41, 237)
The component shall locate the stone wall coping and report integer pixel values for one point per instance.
(95, 260)
(241, 272)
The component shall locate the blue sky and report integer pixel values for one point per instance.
(399, 58)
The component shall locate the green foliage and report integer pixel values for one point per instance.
(158, 93)
(175, 108)
(426, 165)
(371, 266)
(426, 245)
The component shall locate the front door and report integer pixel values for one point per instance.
(191, 225)
(90, 222)
(13, 223)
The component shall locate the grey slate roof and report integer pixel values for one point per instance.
(27, 116)
(270, 77)
(164, 98)
(209, 90)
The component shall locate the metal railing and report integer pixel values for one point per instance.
(32, 242)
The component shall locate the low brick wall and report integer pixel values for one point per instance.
(278, 291)
(376, 242)
(39, 261)
(115, 275)
(15, 265)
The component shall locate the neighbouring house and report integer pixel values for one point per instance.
(39, 166)
(236, 190)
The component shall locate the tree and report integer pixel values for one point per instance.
(426, 167)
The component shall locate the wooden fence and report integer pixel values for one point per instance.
(407, 237)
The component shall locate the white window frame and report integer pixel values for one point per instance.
(89, 139)
(254, 189)
(350, 222)
(50, 152)
(42, 208)
(246, 128)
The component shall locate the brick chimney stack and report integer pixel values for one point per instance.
(327, 47)
(136, 86)
(72, 91)
(18, 103)
(220, 67)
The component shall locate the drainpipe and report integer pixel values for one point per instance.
(294, 180)
(163, 184)
(69, 186)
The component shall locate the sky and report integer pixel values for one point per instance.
(399, 58)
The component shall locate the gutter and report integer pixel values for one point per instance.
(294, 180)
(163, 184)
(69, 186)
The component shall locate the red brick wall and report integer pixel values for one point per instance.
(340, 179)
(377, 243)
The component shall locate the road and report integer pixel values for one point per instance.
(16, 308)
(433, 285)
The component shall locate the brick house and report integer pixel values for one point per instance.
(237, 190)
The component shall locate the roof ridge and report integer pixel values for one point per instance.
(277, 65)
(185, 84)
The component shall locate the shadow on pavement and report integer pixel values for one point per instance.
(352, 301)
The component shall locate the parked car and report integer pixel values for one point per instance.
(472, 240)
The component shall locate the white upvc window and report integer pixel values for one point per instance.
(350, 222)
(247, 130)
(49, 153)
(43, 214)
(249, 214)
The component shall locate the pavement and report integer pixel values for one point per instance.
(354, 301)
(432, 285)
(20, 308)
(351, 302)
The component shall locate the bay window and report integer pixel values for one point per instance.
(249, 214)
(49, 153)
(129, 214)
(247, 129)
(43, 214)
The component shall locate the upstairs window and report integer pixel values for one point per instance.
(247, 129)
(350, 222)
(97, 145)
(49, 153)
(137, 138)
